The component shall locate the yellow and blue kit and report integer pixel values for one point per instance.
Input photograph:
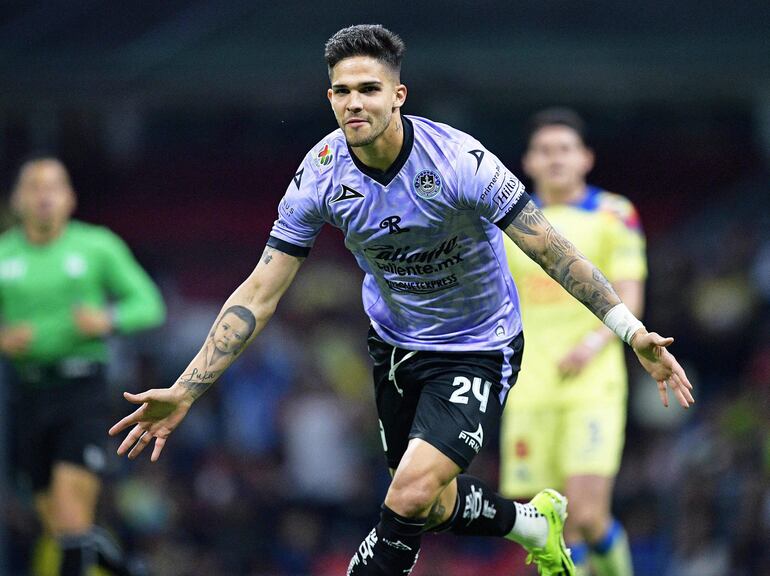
(555, 426)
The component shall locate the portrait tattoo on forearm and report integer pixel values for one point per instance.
(561, 260)
(225, 342)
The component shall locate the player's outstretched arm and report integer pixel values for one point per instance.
(242, 317)
(539, 240)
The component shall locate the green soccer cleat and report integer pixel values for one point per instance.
(554, 558)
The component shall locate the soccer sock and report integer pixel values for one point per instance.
(479, 511)
(78, 555)
(579, 554)
(611, 556)
(390, 548)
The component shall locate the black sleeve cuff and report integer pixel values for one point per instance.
(513, 212)
(288, 248)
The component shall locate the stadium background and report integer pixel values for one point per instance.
(182, 123)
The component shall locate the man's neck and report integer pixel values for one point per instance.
(381, 153)
(568, 195)
(43, 234)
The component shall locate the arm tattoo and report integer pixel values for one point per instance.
(267, 255)
(196, 389)
(561, 260)
(436, 514)
(227, 339)
(529, 219)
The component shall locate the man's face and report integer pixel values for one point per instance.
(43, 195)
(557, 158)
(364, 94)
(230, 334)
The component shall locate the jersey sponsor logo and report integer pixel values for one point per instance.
(422, 286)
(473, 439)
(391, 223)
(427, 184)
(346, 193)
(390, 253)
(509, 193)
(403, 261)
(479, 156)
(492, 182)
(325, 157)
(298, 177)
(12, 269)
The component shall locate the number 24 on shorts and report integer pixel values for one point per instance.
(460, 396)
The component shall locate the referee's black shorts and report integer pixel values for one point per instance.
(448, 399)
(63, 419)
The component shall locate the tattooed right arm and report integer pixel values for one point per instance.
(243, 316)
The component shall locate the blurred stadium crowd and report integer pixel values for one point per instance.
(279, 469)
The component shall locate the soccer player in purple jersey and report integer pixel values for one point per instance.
(421, 206)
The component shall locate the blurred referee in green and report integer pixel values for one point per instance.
(65, 286)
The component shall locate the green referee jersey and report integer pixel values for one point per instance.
(42, 285)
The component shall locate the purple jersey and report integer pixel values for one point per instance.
(426, 233)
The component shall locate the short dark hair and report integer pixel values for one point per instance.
(365, 40)
(557, 117)
(34, 158)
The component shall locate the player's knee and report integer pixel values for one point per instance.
(413, 497)
(588, 520)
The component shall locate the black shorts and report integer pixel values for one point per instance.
(62, 420)
(447, 399)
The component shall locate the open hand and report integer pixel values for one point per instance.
(576, 359)
(650, 349)
(160, 413)
(92, 322)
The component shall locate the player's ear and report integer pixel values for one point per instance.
(588, 160)
(329, 94)
(399, 96)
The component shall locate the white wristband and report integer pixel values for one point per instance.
(622, 322)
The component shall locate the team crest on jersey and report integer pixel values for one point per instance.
(324, 158)
(427, 184)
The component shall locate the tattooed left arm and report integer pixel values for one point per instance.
(561, 260)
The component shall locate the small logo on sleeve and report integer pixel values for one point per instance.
(427, 184)
(324, 157)
(479, 156)
(298, 178)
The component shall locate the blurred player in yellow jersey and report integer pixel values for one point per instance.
(566, 426)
